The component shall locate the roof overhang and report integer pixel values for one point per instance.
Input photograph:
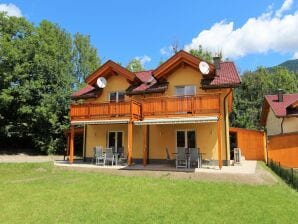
(114, 121)
(190, 120)
(111, 68)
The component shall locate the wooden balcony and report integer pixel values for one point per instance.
(181, 106)
(99, 111)
(150, 107)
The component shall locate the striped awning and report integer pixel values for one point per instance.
(113, 121)
(188, 120)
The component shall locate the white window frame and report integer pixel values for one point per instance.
(117, 95)
(185, 137)
(116, 139)
(183, 86)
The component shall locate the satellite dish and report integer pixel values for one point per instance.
(204, 67)
(101, 82)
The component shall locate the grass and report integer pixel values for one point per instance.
(41, 193)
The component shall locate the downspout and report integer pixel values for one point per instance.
(225, 123)
(282, 125)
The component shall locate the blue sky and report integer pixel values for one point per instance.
(251, 33)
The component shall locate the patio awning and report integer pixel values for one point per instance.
(113, 121)
(176, 120)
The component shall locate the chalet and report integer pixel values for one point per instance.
(280, 113)
(185, 102)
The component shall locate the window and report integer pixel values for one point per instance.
(115, 140)
(185, 90)
(116, 96)
(186, 139)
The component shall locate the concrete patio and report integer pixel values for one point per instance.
(246, 167)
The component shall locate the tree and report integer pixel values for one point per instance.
(202, 54)
(135, 65)
(85, 59)
(249, 97)
(37, 77)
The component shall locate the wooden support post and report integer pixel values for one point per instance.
(219, 142)
(71, 148)
(145, 144)
(129, 142)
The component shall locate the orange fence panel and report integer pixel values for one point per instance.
(284, 149)
(251, 143)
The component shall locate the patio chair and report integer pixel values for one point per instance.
(96, 151)
(193, 157)
(109, 156)
(99, 157)
(181, 159)
(122, 157)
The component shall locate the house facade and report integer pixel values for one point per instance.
(151, 113)
(280, 114)
(280, 118)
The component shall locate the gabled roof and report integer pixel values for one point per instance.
(149, 84)
(154, 81)
(288, 107)
(109, 68)
(86, 92)
(175, 61)
(226, 76)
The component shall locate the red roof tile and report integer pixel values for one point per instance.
(280, 108)
(226, 75)
(83, 91)
(148, 81)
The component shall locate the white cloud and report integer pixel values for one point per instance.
(11, 9)
(265, 33)
(295, 56)
(166, 51)
(285, 6)
(143, 59)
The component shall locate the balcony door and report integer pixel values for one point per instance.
(186, 138)
(115, 140)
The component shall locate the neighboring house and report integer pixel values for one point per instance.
(280, 119)
(280, 113)
(151, 112)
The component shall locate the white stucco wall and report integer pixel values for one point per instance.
(290, 124)
(273, 124)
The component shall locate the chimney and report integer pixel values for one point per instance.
(280, 95)
(216, 61)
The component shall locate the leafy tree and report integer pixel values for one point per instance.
(201, 53)
(37, 77)
(248, 98)
(135, 65)
(85, 59)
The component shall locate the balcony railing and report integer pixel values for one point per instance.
(184, 106)
(108, 110)
(150, 107)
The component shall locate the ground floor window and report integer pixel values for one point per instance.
(186, 138)
(115, 140)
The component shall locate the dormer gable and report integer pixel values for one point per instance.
(180, 59)
(109, 69)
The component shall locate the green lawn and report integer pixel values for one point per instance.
(41, 193)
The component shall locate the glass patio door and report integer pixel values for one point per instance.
(186, 139)
(115, 140)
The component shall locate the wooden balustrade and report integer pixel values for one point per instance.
(189, 105)
(150, 107)
(109, 110)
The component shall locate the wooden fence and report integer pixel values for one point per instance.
(284, 149)
(251, 143)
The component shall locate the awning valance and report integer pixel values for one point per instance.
(113, 121)
(202, 119)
